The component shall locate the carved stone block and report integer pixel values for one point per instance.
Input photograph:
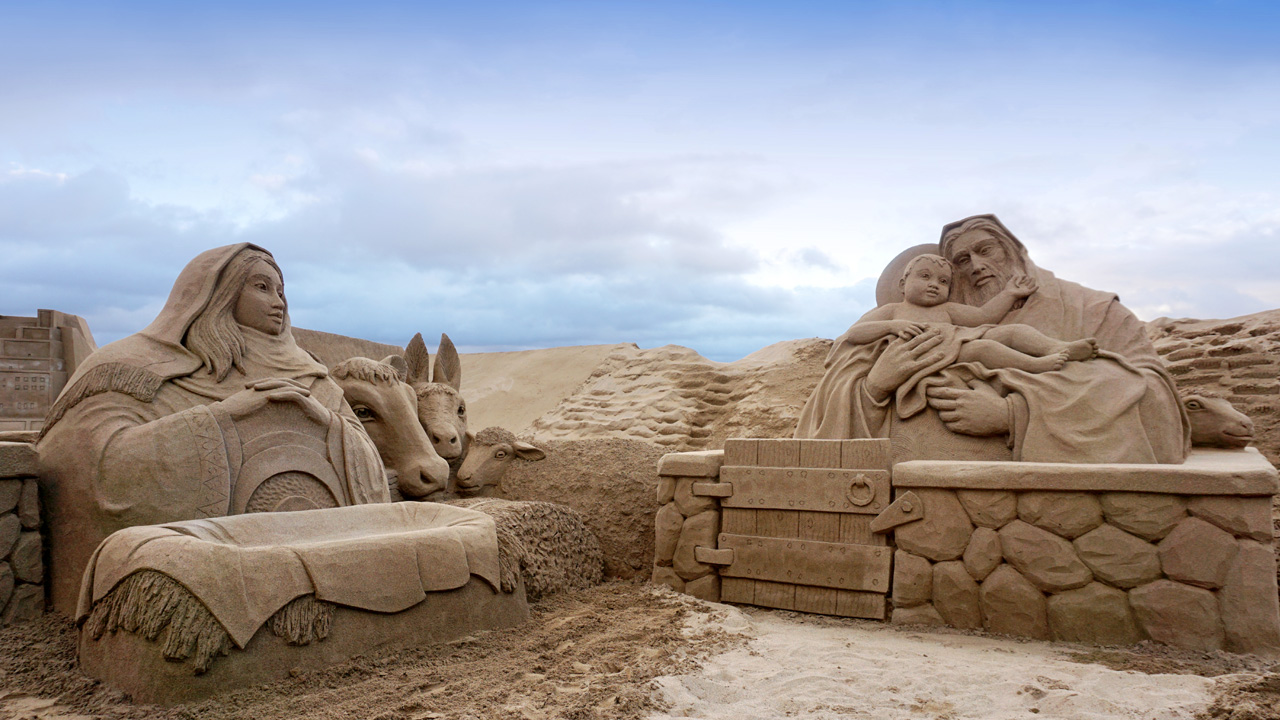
(989, 508)
(706, 587)
(1118, 558)
(29, 504)
(1067, 514)
(10, 526)
(666, 533)
(918, 615)
(1011, 605)
(6, 583)
(945, 531)
(955, 595)
(1094, 614)
(701, 529)
(983, 554)
(1243, 517)
(699, 464)
(17, 460)
(26, 604)
(26, 558)
(1149, 516)
(666, 489)
(912, 579)
(688, 503)
(667, 576)
(1046, 560)
(1177, 614)
(1198, 553)
(1248, 602)
(10, 491)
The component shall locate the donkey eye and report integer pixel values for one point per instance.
(500, 454)
(362, 412)
(462, 411)
(1193, 405)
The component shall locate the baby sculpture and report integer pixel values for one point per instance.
(211, 410)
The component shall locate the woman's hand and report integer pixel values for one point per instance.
(901, 360)
(258, 394)
(978, 410)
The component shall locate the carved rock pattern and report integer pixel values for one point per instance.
(912, 579)
(1045, 559)
(945, 533)
(1062, 513)
(956, 596)
(1094, 614)
(1177, 614)
(1198, 553)
(1119, 558)
(989, 508)
(1011, 605)
(1147, 515)
(983, 554)
(1243, 517)
(1248, 602)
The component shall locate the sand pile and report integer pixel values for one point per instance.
(675, 398)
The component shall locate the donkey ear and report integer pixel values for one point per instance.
(525, 451)
(448, 366)
(398, 362)
(418, 361)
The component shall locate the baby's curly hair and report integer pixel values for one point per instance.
(937, 260)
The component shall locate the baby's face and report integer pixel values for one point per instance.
(927, 285)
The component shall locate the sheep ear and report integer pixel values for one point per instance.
(525, 451)
(448, 366)
(418, 361)
(398, 362)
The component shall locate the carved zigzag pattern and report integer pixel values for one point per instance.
(214, 478)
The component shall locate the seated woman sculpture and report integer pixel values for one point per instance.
(1119, 407)
(212, 410)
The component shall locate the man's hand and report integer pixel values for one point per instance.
(977, 411)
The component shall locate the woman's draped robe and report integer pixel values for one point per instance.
(137, 437)
(1121, 407)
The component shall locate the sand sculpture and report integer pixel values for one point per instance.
(1104, 531)
(387, 408)
(441, 409)
(212, 410)
(972, 412)
(37, 355)
(491, 453)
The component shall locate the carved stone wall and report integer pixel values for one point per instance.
(686, 520)
(21, 546)
(37, 355)
(1103, 554)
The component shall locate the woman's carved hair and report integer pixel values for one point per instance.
(215, 336)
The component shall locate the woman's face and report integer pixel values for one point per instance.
(261, 304)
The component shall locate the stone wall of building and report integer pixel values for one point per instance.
(37, 355)
(1092, 553)
(21, 545)
(687, 519)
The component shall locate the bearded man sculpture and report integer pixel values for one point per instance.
(1120, 407)
(212, 410)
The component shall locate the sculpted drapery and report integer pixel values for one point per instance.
(1119, 407)
(156, 428)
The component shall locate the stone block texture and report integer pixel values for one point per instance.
(21, 542)
(685, 522)
(1106, 568)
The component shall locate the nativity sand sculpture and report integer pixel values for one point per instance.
(164, 463)
(1029, 473)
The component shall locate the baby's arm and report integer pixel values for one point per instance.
(877, 324)
(996, 308)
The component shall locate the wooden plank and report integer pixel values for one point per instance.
(738, 521)
(738, 590)
(820, 453)
(866, 454)
(775, 595)
(778, 523)
(817, 600)
(820, 526)
(856, 529)
(740, 451)
(819, 490)
(808, 562)
(778, 453)
(869, 605)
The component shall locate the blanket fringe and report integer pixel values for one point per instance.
(150, 603)
(138, 383)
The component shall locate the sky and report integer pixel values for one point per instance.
(718, 175)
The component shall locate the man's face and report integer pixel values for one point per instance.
(981, 258)
(927, 284)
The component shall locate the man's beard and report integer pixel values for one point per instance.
(979, 296)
